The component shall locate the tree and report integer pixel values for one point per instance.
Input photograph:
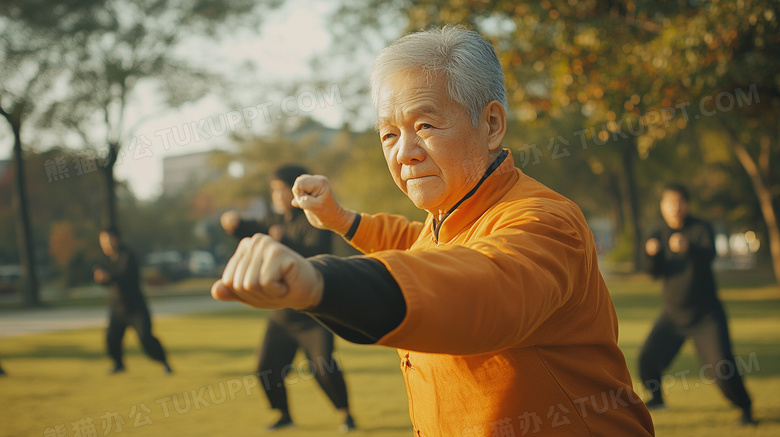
(629, 68)
(720, 61)
(32, 45)
(63, 214)
(745, 40)
(126, 44)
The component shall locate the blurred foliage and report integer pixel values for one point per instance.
(72, 68)
(65, 226)
(644, 92)
(62, 243)
(66, 218)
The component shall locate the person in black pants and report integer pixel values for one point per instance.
(127, 303)
(288, 330)
(682, 253)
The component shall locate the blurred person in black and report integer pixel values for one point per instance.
(682, 253)
(288, 330)
(127, 303)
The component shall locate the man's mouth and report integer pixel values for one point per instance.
(417, 177)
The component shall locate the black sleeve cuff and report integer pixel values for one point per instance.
(361, 301)
(353, 229)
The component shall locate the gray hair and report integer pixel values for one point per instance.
(468, 63)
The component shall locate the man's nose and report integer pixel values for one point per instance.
(409, 149)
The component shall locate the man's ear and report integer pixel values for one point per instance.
(495, 117)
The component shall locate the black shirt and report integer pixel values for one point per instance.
(298, 234)
(125, 281)
(689, 289)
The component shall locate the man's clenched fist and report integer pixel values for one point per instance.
(314, 196)
(264, 273)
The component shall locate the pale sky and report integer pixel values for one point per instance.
(289, 38)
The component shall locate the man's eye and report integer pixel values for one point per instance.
(422, 126)
(387, 136)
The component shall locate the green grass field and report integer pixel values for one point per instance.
(57, 383)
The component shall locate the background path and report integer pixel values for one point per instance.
(31, 321)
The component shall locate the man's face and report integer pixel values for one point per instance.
(281, 196)
(674, 209)
(109, 243)
(433, 152)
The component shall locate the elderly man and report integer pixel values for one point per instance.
(502, 320)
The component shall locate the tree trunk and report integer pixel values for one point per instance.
(109, 213)
(632, 200)
(764, 197)
(31, 292)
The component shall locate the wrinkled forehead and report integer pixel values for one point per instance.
(406, 82)
(418, 74)
(411, 91)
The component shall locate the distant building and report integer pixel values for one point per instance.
(310, 129)
(185, 172)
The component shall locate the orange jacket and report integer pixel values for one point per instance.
(510, 329)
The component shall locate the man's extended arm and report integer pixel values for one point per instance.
(361, 301)
(654, 255)
(385, 232)
(491, 294)
(367, 233)
(356, 297)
